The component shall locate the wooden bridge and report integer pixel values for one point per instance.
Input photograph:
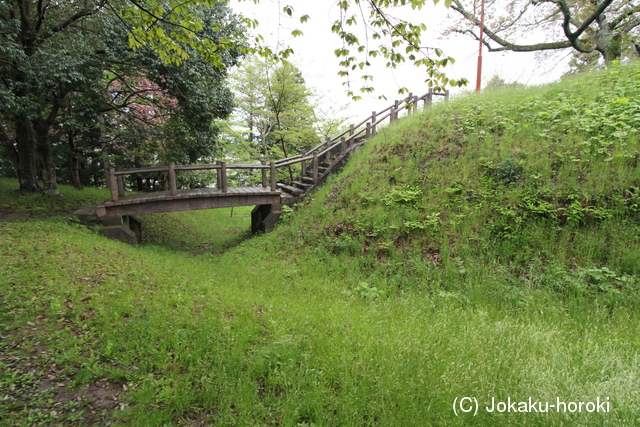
(315, 165)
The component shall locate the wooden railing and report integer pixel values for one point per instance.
(116, 178)
(366, 128)
(309, 160)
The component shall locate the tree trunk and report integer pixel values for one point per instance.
(12, 154)
(104, 155)
(605, 43)
(45, 152)
(74, 166)
(26, 148)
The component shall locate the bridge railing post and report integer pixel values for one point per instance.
(396, 103)
(264, 174)
(272, 167)
(173, 189)
(374, 117)
(410, 104)
(315, 168)
(343, 145)
(392, 115)
(428, 101)
(327, 144)
(223, 176)
(113, 186)
(218, 176)
(368, 131)
(303, 166)
(446, 95)
(120, 181)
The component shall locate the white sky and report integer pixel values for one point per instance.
(314, 53)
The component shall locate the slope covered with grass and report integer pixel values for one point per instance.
(530, 181)
(486, 248)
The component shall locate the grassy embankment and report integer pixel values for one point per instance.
(486, 248)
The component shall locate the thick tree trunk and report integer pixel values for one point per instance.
(104, 155)
(26, 148)
(45, 152)
(74, 165)
(606, 44)
(12, 154)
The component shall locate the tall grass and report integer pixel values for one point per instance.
(442, 263)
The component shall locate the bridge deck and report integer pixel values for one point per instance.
(200, 198)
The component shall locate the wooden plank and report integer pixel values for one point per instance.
(292, 162)
(245, 166)
(151, 169)
(197, 167)
(287, 159)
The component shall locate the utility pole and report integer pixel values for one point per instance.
(479, 76)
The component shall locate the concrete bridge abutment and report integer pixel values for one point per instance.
(265, 217)
(126, 228)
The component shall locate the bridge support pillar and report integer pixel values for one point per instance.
(126, 228)
(265, 217)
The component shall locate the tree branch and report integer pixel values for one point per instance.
(71, 20)
(506, 45)
(158, 18)
(41, 12)
(624, 15)
(573, 36)
(596, 13)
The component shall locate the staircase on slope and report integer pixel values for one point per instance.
(316, 170)
(328, 157)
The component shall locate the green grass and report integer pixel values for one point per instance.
(255, 336)
(38, 205)
(180, 230)
(205, 231)
(442, 263)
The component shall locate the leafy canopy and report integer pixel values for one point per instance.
(395, 40)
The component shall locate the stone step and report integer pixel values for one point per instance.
(302, 185)
(291, 190)
(307, 179)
